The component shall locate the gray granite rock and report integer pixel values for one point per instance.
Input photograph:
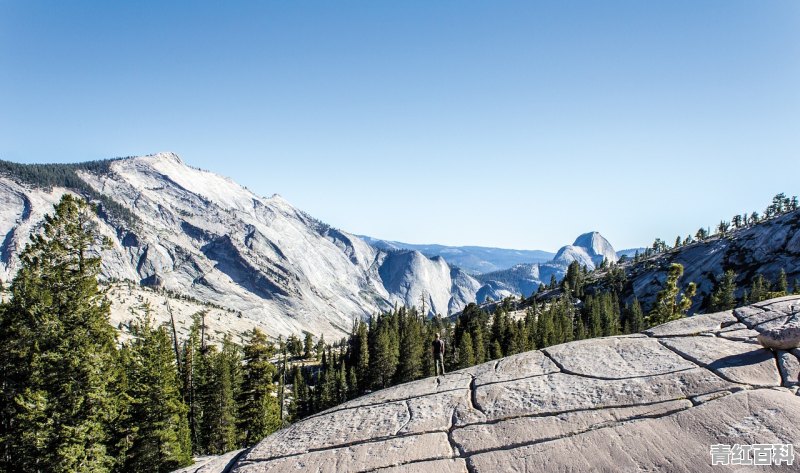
(525, 430)
(359, 457)
(617, 358)
(787, 304)
(560, 392)
(212, 464)
(790, 368)
(767, 318)
(782, 337)
(455, 465)
(678, 442)
(338, 428)
(743, 313)
(693, 325)
(522, 365)
(740, 362)
(742, 335)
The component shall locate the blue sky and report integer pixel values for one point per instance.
(512, 124)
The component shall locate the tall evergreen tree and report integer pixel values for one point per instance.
(782, 285)
(157, 424)
(670, 303)
(60, 396)
(411, 349)
(723, 297)
(637, 319)
(217, 392)
(466, 356)
(384, 363)
(258, 410)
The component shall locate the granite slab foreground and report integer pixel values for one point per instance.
(652, 402)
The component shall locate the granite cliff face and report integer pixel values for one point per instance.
(203, 236)
(654, 401)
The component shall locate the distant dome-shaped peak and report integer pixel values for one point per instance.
(589, 248)
(588, 239)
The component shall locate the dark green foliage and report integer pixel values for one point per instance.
(156, 425)
(759, 288)
(411, 350)
(466, 355)
(636, 319)
(723, 297)
(217, 390)
(60, 371)
(782, 285)
(670, 303)
(258, 410)
(308, 346)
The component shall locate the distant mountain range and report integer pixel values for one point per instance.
(472, 259)
(205, 238)
(201, 236)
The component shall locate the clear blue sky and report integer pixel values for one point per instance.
(512, 124)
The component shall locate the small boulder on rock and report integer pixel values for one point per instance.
(784, 337)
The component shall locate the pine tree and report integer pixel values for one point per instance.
(637, 322)
(217, 392)
(782, 285)
(410, 348)
(384, 363)
(300, 406)
(361, 352)
(157, 424)
(259, 413)
(60, 392)
(671, 305)
(466, 356)
(479, 348)
(723, 297)
(759, 288)
(308, 346)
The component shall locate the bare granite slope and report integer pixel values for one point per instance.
(654, 401)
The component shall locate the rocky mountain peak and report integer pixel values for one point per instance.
(589, 249)
(204, 236)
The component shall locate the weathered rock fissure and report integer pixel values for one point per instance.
(602, 425)
(705, 367)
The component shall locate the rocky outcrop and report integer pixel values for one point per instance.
(763, 249)
(654, 401)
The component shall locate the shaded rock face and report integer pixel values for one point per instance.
(204, 236)
(654, 401)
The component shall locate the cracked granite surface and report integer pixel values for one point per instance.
(649, 402)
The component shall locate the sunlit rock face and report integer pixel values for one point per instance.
(204, 236)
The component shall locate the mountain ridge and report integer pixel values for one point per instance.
(204, 235)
